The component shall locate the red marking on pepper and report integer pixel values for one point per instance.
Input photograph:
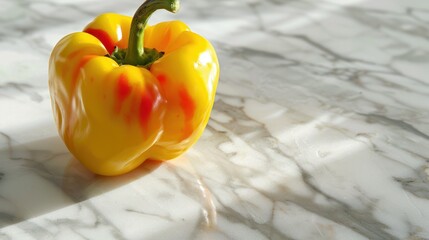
(188, 107)
(146, 105)
(123, 90)
(103, 37)
(162, 79)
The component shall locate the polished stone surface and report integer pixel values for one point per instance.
(320, 128)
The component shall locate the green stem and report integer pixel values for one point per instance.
(135, 54)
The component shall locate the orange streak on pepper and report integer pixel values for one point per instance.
(188, 106)
(74, 79)
(146, 104)
(79, 67)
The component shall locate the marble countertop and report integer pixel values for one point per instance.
(320, 129)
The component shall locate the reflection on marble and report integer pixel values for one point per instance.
(320, 129)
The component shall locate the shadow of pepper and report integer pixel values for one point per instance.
(42, 176)
(81, 184)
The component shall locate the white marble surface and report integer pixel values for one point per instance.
(320, 129)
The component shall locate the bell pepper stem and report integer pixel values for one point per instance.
(135, 54)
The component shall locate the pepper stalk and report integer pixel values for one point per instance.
(137, 54)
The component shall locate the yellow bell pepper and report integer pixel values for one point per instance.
(122, 92)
